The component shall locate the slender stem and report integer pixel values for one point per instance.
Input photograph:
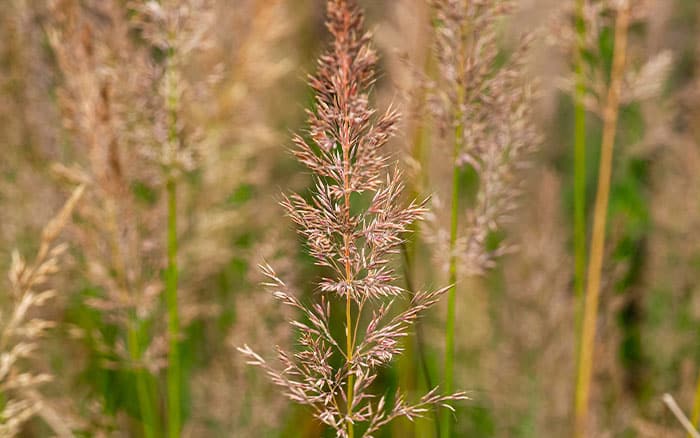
(610, 117)
(695, 418)
(680, 416)
(148, 416)
(579, 167)
(351, 377)
(174, 372)
(446, 428)
(348, 278)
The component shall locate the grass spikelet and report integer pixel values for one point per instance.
(19, 331)
(345, 156)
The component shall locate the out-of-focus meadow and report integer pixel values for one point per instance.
(146, 147)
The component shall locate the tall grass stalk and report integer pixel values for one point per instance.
(179, 30)
(610, 118)
(482, 102)
(174, 372)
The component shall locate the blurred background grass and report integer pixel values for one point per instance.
(516, 331)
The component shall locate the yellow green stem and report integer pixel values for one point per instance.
(610, 118)
(348, 278)
(695, 418)
(174, 372)
(351, 377)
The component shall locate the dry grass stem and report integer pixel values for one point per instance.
(680, 416)
(610, 117)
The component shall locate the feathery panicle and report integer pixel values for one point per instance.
(485, 105)
(641, 80)
(180, 31)
(492, 102)
(19, 332)
(355, 245)
(91, 46)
